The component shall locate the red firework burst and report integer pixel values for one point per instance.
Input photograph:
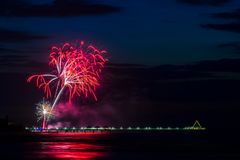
(75, 69)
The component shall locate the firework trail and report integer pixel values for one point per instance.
(75, 69)
(43, 112)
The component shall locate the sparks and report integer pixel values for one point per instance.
(43, 112)
(75, 70)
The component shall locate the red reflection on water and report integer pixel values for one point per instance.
(70, 150)
(71, 136)
(82, 134)
(67, 145)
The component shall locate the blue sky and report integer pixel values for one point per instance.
(142, 32)
(152, 32)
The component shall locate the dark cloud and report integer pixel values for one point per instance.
(230, 44)
(124, 65)
(222, 65)
(18, 36)
(231, 27)
(233, 46)
(18, 60)
(21, 63)
(4, 50)
(235, 14)
(58, 8)
(228, 15)
(204, 2)
(13, 57)
(9, 61)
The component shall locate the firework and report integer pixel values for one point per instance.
(75, 68)
(43, 112)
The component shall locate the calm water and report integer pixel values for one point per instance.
(115, 146)
(65, 150)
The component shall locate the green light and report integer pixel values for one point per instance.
(195, 127)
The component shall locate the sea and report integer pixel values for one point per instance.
(184, 145)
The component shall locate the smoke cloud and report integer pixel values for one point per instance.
(69, 115)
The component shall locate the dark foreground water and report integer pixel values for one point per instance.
(89, 146)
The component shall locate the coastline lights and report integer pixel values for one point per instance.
(195, 127)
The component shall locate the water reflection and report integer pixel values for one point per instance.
(65, 150)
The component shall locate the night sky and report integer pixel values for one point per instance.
(170, 61)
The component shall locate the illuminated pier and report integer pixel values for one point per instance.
(195, 127)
